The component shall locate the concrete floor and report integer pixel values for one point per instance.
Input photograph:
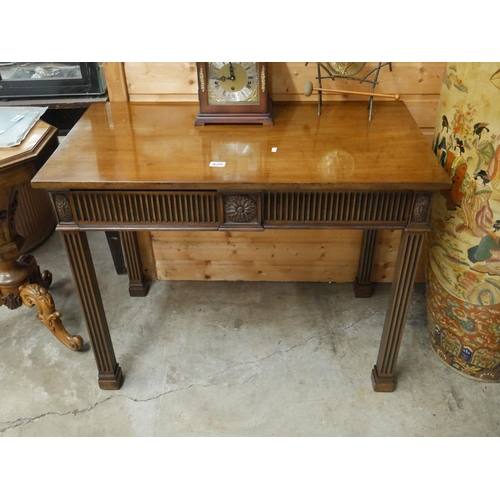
(229, 359)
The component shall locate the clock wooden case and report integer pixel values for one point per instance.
(233, 92)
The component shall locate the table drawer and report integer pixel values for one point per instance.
(138, 208)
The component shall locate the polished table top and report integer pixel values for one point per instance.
(157, 146)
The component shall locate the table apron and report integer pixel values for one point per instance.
(242, 210)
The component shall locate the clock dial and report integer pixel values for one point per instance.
(233, 82)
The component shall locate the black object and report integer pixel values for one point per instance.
(23, 80)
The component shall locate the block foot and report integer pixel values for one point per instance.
(111, 381)
(363, 290)
(382, 384)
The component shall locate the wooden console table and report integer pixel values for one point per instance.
(133, 167)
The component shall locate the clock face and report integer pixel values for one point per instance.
(233, 83)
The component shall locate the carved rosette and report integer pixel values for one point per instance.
(421, 208)
(240, 209)
(63, 208)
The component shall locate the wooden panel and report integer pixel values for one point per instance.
(147, 255)
(272, 255)
(287, 79)
(418, 82)
(164, 98)
(116, 80)
(172, 80)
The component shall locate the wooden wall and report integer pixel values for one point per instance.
(272, 255)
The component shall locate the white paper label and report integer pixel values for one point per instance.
(217, 164)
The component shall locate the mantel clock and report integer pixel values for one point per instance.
(233, 92)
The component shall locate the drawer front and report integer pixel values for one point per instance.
(107, 209)
(343, 207)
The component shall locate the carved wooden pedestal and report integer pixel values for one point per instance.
(21, 282)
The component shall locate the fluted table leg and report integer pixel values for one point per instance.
(82, 267)
(138, 283)
(363, 286)
(383, 373)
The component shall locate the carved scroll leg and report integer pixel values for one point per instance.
(33, 294)
(363, 286)
(82, 267)
(138, 283)
(383, 373)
